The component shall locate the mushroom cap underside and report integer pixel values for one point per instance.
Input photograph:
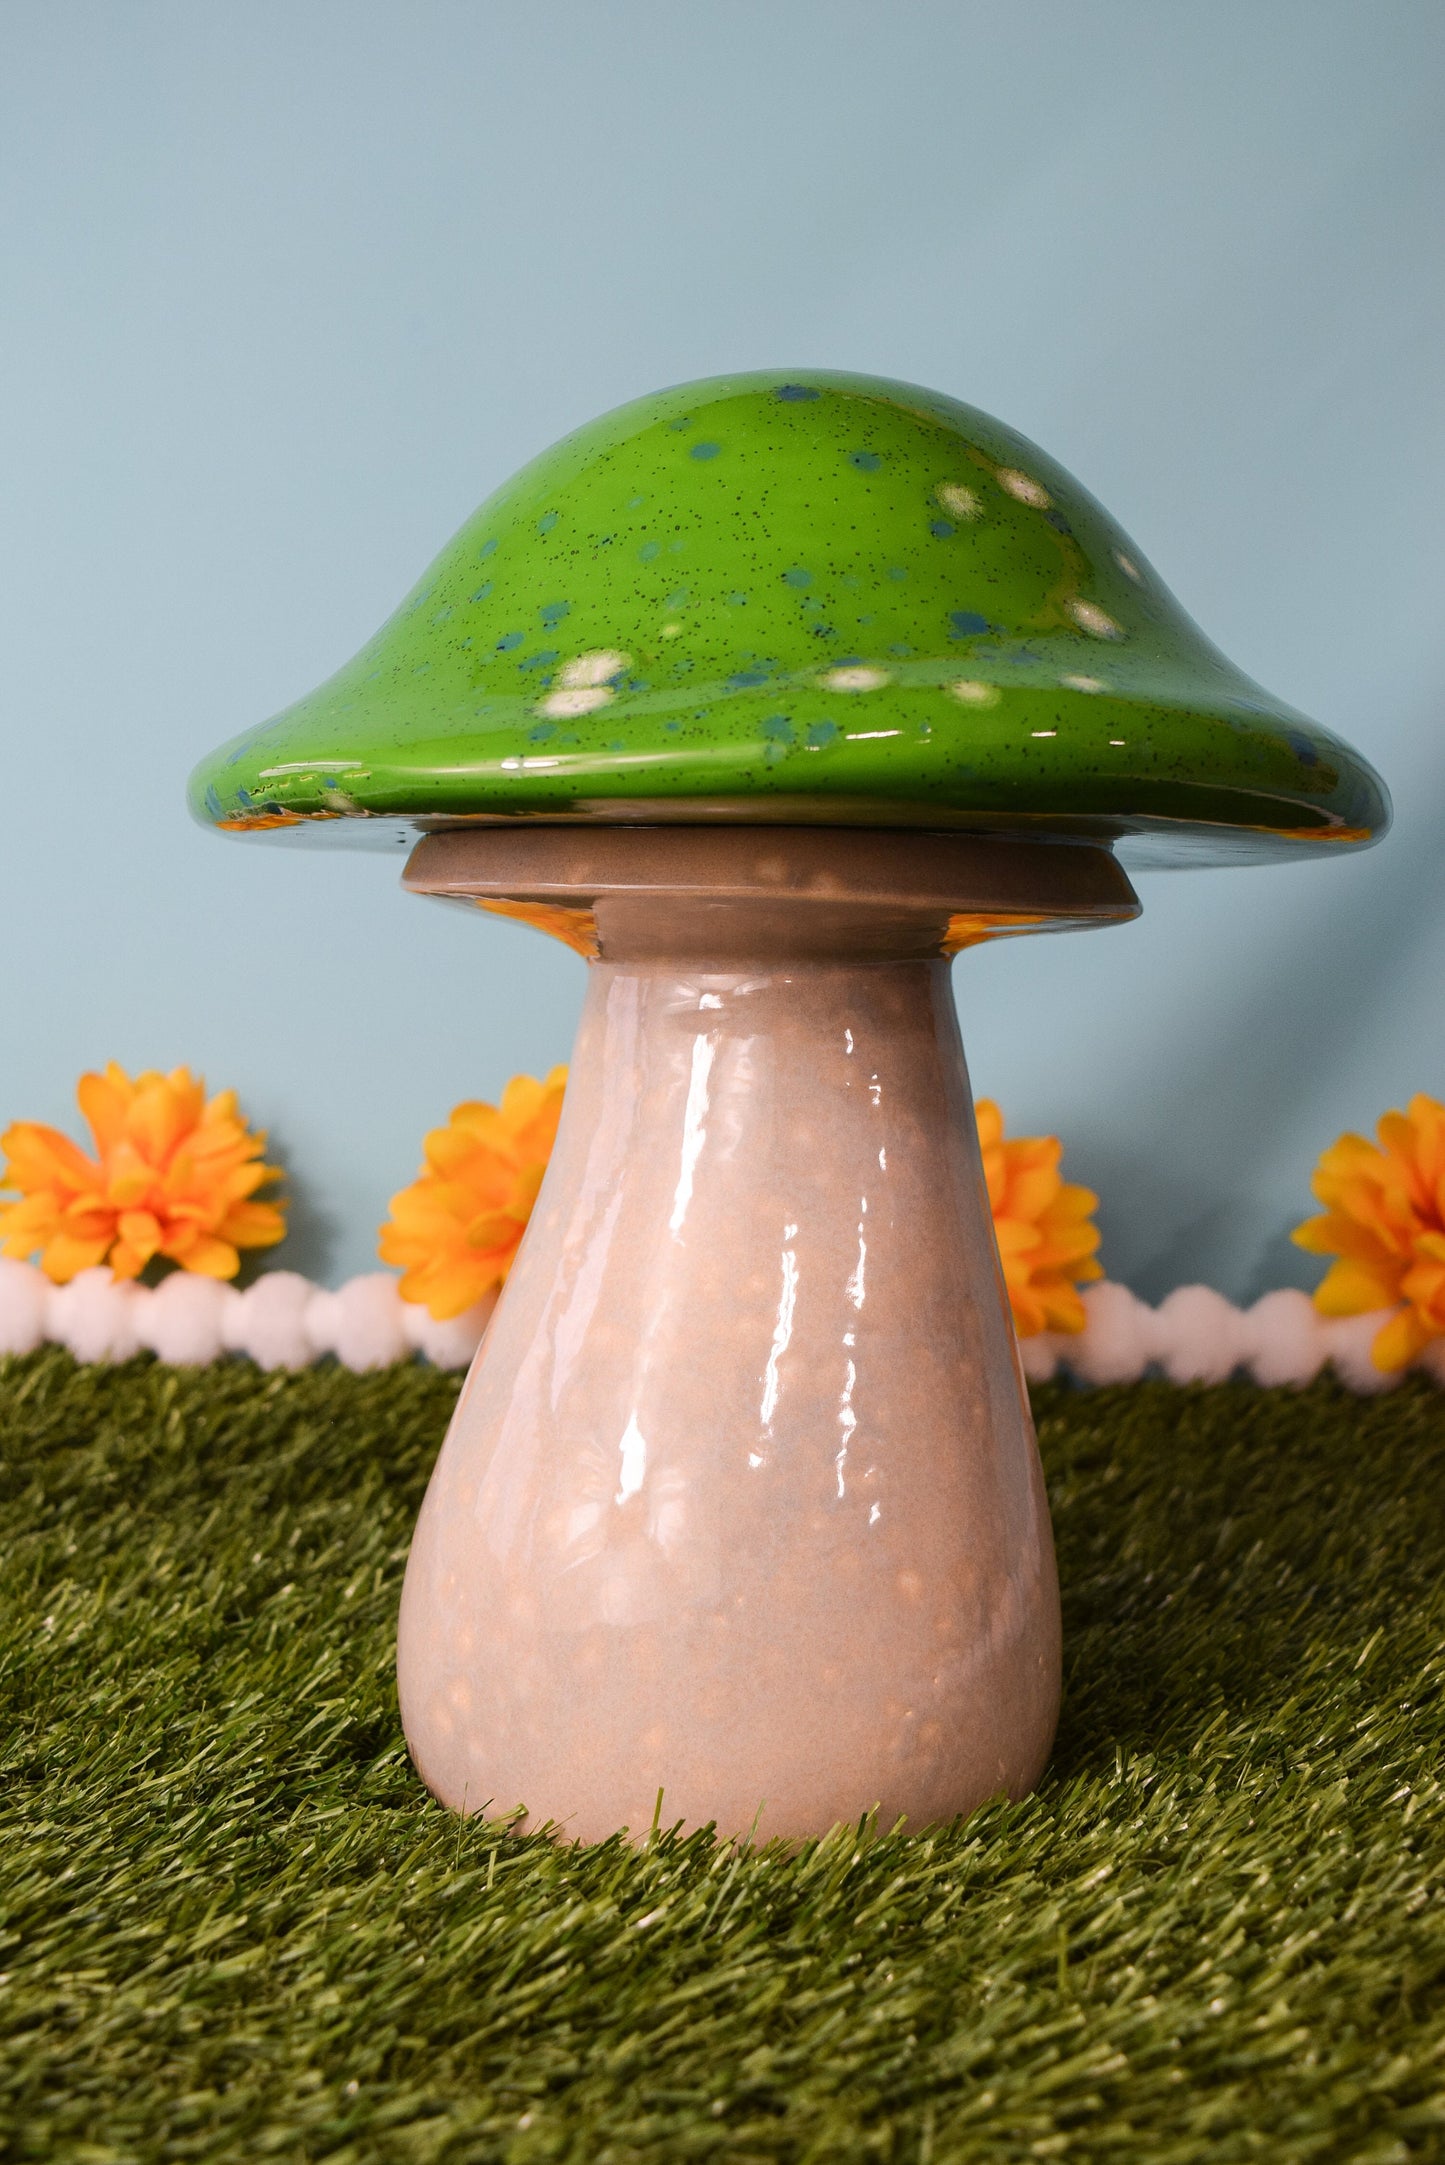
(818, 598)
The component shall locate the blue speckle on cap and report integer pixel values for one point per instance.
(1304, 750)
(743, 680)
(213, 801)
(867, 462)
(546, 523)
(648, 550)
(797, 577)
(821, 734)
(705, 451)
(966, 623)
(486, 548)
(482, 591)
(941, 529)
(793, 391)
(552, 613)
(508, 640)
(778, 728)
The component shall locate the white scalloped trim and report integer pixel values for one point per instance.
(1197, 1336)
(284, 1321)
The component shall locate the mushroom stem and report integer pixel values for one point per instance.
(741, 1500)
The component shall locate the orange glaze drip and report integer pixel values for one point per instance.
(1336, 834)
(576, 928)
(970, 928)
(248, 822)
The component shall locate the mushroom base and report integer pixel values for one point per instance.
(741, 1502)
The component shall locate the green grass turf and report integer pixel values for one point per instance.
(234, 1926)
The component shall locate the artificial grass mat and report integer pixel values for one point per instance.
(234, 1925)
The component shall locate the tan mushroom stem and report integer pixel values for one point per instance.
(741, 1501)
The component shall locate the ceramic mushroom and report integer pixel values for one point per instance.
(768, 694)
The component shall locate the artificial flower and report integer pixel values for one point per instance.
(1384, 1219)
(1046, 1241)
(455, 1231)
(173, 1177)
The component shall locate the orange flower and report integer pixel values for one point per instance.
(1385, 1220)
(173, 1175)
(456, 1229)
(1045, 1240)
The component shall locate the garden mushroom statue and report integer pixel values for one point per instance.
(769, 694)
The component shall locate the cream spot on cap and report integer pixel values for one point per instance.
(854, 680)
(593, 668)
(1024, 487)
(573, 700)
(1084, 684)
(960, 501)
(975, 694)
(582, 685)
(1095, 621)
(1128, 566)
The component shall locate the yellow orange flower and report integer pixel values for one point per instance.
(1045, 1239)
(173, 1176)
(1384, 1219)
(456, 1229)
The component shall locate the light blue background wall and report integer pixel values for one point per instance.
(286, 289)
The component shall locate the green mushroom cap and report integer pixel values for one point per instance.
(816, 599)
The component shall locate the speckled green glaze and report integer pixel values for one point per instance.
(816, 598)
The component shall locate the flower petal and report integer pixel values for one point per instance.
(1400, 1340)
(63, 1257)
(1350, 1289)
